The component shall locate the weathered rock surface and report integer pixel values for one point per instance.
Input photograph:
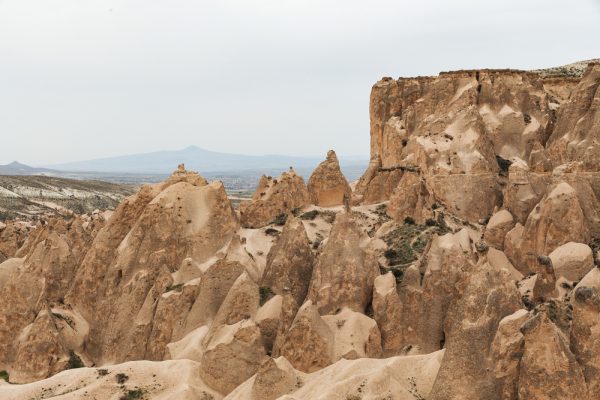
(327, 185)
(344, 273)
(585, 330)
(290, 262)
(309, 343)
(386, 311)
(488, 295)
(12, 236)
(402, 378)
(355, 335)
(556, 220)
(497, 228)
(233, 354)
(411, 198)
(548, 369)
(476, 280)
(272, 198)
(572, 261)
(176, 380)
(506, 352)
(576, 135)
(40, 353)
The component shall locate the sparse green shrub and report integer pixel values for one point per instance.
(133, 394)
(102, 372)
(121, 378)
(272, 232)
(174, 287)
(409, 220)
(328, 216)
(4, 375)
(265, 294)
(310, 215)
(420, 243)
(74, 361)
(527, 119)
(280, 219)
(398, 274)
(390, 254)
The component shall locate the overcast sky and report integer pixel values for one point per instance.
(82, 79)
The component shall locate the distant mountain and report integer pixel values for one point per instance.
(16, 168)
(197, 159)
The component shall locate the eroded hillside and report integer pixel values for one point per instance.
(27, 196)
(460, 266)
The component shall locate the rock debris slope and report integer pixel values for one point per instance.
(464, 265)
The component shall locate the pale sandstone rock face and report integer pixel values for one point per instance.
(169, 319)
(40, 353)
(455, 131)
(289, 311)
(512, 243)
(233, 354)
(172, 274)
(506, 352)
(472, 197)
(585, 330)
(572, 261)
(12, 237)
(488, 295)
(577, 132)
(402, 378)
(386, 311)
(327, 185)
(213, 288)
(241, 302)
(290, 262)
(272, 198)
(451, 128)
(498, 260)
(411, 198)
(144, 242)
(269, 319)
(356, 335)
(51, 254)
(523, 191)
(548, 369)
(497, 228)
(381, 186)
(544, 282)
(309, 345)
(275, 378)
(412, 317)
(344, 273)
(556, 220)
(173, 380)
(425, 305)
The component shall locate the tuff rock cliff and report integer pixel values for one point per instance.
(464, 265)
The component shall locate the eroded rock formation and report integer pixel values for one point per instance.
(463, 266)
